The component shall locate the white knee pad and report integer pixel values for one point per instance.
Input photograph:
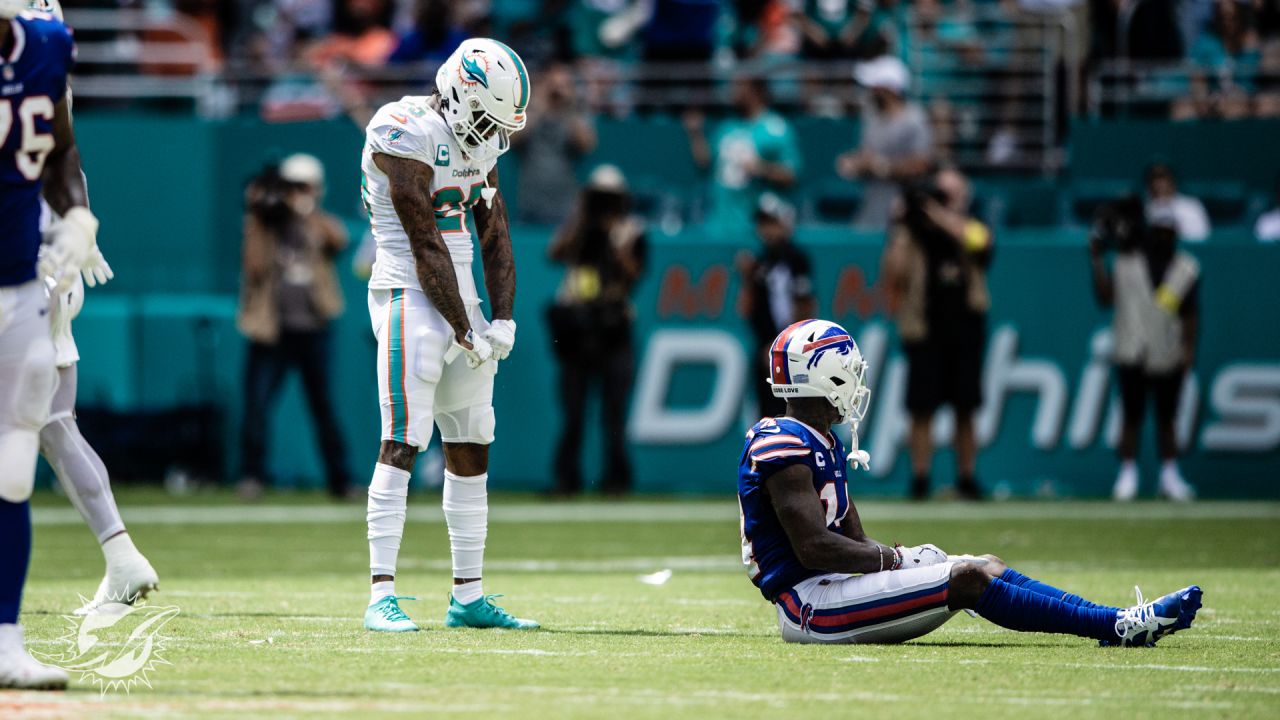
(37, 379)
(18, 452)
(474, 425)
(20, 423)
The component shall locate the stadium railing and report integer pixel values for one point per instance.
(995, 83)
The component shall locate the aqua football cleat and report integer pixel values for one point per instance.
(386, 616)
(1145, 623)
(483, 614)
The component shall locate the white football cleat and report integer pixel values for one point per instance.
(1173, 487)
(20, 671)
(127, 581)
(1126, 487)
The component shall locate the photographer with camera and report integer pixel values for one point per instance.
(603, 248)
(934, 272)
(289, 294)
(1154, 290)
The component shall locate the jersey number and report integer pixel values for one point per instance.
(34, 146)
(451, 207)
(829, 502)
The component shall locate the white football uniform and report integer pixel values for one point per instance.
(418, 385)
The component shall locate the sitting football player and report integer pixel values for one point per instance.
(805, 549)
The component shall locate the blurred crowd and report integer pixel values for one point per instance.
(1201, 57)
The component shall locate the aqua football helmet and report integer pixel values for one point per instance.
(817, 358)
(484, 90)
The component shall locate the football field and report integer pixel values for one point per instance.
(269, 599)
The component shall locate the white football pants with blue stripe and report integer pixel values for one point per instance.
(884, 607)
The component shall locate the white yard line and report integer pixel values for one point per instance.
(427, 510)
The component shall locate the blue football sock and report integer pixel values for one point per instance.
(15, 552)
(1013, 577)
(1021, 609)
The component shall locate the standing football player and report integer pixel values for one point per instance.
(37, 156)
(429, 166)
(805, 549)
(84, 478)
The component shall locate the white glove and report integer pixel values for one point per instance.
(501, 335)
(68, 244)
(95, 270)
(920, 556)
(479, 352)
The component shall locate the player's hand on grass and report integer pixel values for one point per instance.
(475, 348)
(501, 336)
(921, 556)
(95, 270)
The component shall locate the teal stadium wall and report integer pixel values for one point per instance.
(168, 191)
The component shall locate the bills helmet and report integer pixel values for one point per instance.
(484, 90)
(816, 358)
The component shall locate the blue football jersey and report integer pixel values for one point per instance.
(773, 444)
(33, 79)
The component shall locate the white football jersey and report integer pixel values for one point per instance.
(411, 128)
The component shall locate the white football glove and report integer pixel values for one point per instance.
(921, 555)
(68, 244)
(502, 337)
(95, 270)
(479, 352)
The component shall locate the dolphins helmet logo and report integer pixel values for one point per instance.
(116, 647)
(471, 71)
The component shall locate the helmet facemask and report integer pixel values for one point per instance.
(849, 392)
(484, 137)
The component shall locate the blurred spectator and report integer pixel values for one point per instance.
(935, 279)
(289, 294)
(1230, 37)
(681, 30)
(434, 35)
(603, 248)
(1154, 290)
(605, 28)
(764, 29)
(895, 146)
(776, 290)
(1267, 229)
(747, 155)
(1163, 198)
(830, 29)
(557, 135)
(361, 34)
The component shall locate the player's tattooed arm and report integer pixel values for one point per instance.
(804, 520)
(64, 184)
(410, 181)
(495, 251)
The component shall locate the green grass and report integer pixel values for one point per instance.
(270, 616)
